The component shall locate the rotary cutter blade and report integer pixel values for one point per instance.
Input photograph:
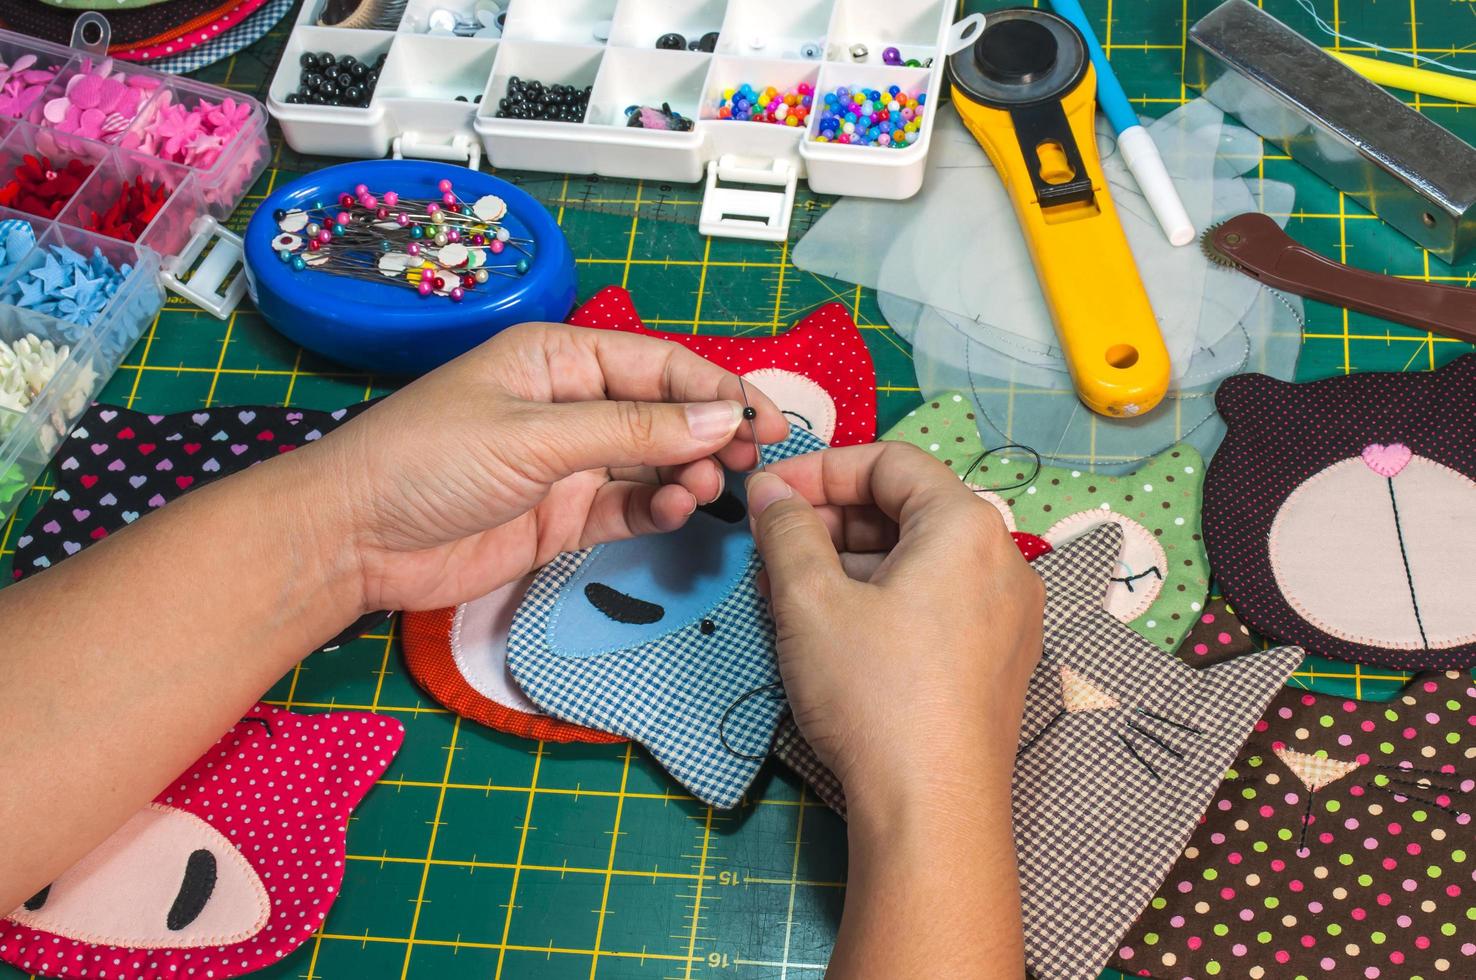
(1026, 90)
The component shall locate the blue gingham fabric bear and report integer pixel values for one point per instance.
(665, 640)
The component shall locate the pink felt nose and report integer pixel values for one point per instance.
(1388, 460)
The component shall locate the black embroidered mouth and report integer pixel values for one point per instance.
(727, 508)
(1128, 580)
(621, 607)
(34, 903)
(194, 891)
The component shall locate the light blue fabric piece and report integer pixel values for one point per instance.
(705, 703)
(683, 574)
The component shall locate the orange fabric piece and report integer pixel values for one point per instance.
(427, 641)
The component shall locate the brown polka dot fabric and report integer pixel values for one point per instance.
(1340, 846)
(1340, 515)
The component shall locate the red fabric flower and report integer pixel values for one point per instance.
(137, 204)
(41, 189)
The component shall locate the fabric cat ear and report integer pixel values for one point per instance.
(1076, 576)
(610, 308)
(1222, 686)
(1242, 395)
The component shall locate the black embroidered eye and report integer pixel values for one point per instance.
(621, 607)
(1128, 580)
(194, 891)
(708, 627)
(34, 903)
(799, 418)
(726, 508)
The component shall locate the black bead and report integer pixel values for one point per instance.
(355, 94)
(750, 413)
(358, 69)
(708, 42)
(347, 61)
(311, 79)
(708, 627)
(294, 98)
(331, 71)
(327, 58)
(308, 61)
(478, 100)
(461, 98)
(671, 42)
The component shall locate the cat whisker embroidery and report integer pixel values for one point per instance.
(1434, 787)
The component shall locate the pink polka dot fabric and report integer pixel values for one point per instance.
(1340, 846)
(1340, 515)
(825, 347)
(278, 788)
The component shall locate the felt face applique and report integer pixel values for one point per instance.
(1341, 514)
(1162, 576)
(1121, 748)
(228, 870)
(665, 640)
(1340, 845)
(820, 376)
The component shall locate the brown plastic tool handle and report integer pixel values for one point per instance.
(1262, 250)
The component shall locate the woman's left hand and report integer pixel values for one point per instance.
(547, 438)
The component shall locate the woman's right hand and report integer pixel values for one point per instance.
(908, 628)
(908, 623)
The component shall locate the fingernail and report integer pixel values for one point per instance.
(764, 489)
(713, 420)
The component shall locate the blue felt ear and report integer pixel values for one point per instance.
(629, 593)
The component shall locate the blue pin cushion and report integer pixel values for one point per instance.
(388, 328)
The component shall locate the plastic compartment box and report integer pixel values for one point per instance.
(611, 45)
(196, 197)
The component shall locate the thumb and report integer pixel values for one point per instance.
(798, 554)
(570, 437)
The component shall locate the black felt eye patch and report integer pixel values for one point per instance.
(621, 607)
(727, 508)
(194, 891)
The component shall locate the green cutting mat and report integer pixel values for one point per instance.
(481, 855)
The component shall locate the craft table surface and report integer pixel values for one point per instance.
(482, 855)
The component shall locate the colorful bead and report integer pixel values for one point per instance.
(745, 104)
(870, 117)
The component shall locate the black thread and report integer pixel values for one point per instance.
(1408, 573)
(979, 461)
(1418, 799)
(194, 891)
(1141, 761)
(1169, 721)
(809, 426)
(726, 508)
(1130, 579)
(262, 722)
(1306, 822)
(767, 689)
(1429, 772)
(1157, 741)
(621, 607)
(1020, 753)
(1427, 785)
(37, 900)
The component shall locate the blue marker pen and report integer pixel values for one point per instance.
(1138, 149)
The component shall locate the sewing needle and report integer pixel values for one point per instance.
(750, 414)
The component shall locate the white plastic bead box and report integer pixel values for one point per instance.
(62, 335)
(610, 46)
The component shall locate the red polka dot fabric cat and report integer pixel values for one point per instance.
(228, 870)
(820, 364)
(1340, 515)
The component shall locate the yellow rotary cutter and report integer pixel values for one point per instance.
(1026, 90)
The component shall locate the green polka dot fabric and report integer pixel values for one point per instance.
(1162, 578)
(1339, 846)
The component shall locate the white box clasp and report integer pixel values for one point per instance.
(742, 212)
(456, 149)
(202, 284)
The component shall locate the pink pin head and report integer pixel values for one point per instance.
(360, 190)
(402, 219)
(391, 198)
(444, 186)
